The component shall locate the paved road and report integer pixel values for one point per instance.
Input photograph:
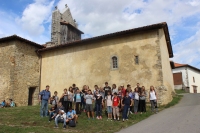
(182, 118)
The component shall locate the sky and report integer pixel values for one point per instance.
(31, 19)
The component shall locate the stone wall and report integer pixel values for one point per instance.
(7, 62)
(19, 70)
(90, 63)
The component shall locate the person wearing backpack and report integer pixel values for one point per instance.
(108, 99)
(44, 98)
(126, 103)
(116, 104)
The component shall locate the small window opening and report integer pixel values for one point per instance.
(193, 79)
(114, 62)
(136, 59)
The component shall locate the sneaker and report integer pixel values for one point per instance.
(97, 117)
(100, 117)
(107, 119)
(110, 119)
(118, 119)
(55, 126)
(64, 127)
(123, 120)
(127, 119)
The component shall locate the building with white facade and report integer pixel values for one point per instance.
(186, 77)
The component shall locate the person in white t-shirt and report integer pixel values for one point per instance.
(109, 105)
(153, 99)
(136, 100)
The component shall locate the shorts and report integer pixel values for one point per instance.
(89, 107)
(109, 109)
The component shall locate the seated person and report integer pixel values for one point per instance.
(52, 113)
(12, 104)
(61, 118)
(59, 107)
(3, 104)
(71, 115)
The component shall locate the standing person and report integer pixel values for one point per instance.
(77, 101)
(106, 89)
(65, 99)
(116, 104)
(89, 100)
(130, 93)
(99, 102)
(70, 97)
(74, 88)
(139, 90)
(153, 99)
(126, 103)
(136, 100)
(96, 88)
(55, 99)
(123, 90)
(142, 100)
(102, 93)
(84, 92)
(114, 89)
(109, 105)
(44, 98)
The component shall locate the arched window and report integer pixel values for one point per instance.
(114, 62)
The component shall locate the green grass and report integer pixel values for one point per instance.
(28, 120)
(180, 91)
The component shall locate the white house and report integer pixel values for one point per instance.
(186, 77)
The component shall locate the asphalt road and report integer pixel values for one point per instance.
(182, 118)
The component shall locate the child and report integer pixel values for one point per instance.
(109, 105)
(89, 99)
(61, 118)
(52, 113)
(99, 102)
(3, 104)
(65, 100)
(77, 100)
(55, 99)
(116, 103)
(126, 103)
(12, 104)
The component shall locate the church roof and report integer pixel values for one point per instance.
(15, 37)
(177, 65)
(125, 32)
(66, 23)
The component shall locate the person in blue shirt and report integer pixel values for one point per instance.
(71, 115)
(3, 104)
(44, 98)
(126, 103)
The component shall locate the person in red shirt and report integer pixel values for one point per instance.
(116, 103)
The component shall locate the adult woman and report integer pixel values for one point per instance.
(114, 89)
(136, 100)
(153, 99)
(70, 97)
(142, 100)
(65, 99)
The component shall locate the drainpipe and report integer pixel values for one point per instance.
(187, 79)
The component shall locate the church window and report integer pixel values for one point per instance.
(136, 59)
(193, 79)
(114, 62)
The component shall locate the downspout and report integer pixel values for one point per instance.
(187, 80)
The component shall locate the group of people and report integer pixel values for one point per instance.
(114, 100)
(4, 104)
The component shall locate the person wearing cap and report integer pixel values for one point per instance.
(44, 98)
(60, 118)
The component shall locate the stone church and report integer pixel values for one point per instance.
(139, 55)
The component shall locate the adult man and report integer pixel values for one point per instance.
(61, 118)
(139, 88)
(107, 88)
(44, 98)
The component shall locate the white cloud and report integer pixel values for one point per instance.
(96, 17)
(35, 16)
(188, 50)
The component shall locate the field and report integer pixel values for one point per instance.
(27, 120)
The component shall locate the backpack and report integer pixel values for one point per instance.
(72, 123)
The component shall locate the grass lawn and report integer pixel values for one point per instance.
(27, 120)
(180, 91)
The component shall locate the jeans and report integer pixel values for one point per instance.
(125, 111)
(78, 108)
(98, 109)
(59, 120)
(51, 114)
(44, 108)
(136, 102)
(153, 105)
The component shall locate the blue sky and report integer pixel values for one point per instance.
(31, 19)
